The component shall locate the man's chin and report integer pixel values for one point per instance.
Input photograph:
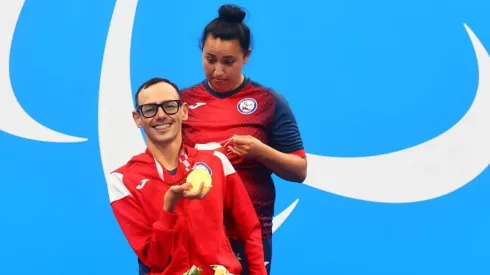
(164, 138)
(158, 137)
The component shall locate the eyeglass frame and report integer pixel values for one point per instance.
(158, 106)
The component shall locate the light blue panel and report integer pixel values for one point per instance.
(363, 78)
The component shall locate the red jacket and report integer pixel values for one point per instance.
(170, 243)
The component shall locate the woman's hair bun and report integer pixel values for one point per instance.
(231, 13)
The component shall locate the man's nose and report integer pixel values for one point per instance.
(160, 112)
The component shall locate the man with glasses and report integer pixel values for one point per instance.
(171, 227)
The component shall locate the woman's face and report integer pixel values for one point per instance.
(223, 62)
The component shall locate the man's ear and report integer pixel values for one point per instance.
(137, 119)
(185, 110)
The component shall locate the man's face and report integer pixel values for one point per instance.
(161, 124)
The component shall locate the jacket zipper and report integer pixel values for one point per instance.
(189, 242)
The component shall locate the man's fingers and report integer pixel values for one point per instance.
(194, 194)
(186, 186)
(200, 188)
(202, 196)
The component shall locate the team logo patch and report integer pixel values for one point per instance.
(247, 106)
(202, 165)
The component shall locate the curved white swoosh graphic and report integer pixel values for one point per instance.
(18, 122)
(280, 218)
(119, 139)
(422, 172)
(425, 171)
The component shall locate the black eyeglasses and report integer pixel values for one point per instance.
(170, 107)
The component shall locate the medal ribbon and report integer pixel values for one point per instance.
(220, 146)
(183, 161)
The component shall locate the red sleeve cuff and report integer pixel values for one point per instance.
(167, 221)
(300, 153)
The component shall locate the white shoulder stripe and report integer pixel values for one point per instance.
(116, 188)
(227, 167)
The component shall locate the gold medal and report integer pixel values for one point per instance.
(193, 271)
(198, 176)
(220, 270)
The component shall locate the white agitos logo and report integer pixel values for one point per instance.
(13, 119)
(425, 171)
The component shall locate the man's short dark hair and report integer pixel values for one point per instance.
(151, 82)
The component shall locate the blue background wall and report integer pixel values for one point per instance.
(363, 77)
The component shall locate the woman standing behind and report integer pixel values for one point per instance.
(252, 124)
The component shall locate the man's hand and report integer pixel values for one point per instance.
(177, 192)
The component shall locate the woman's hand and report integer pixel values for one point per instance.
(247, 146)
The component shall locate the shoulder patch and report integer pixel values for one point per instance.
(202, 165)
